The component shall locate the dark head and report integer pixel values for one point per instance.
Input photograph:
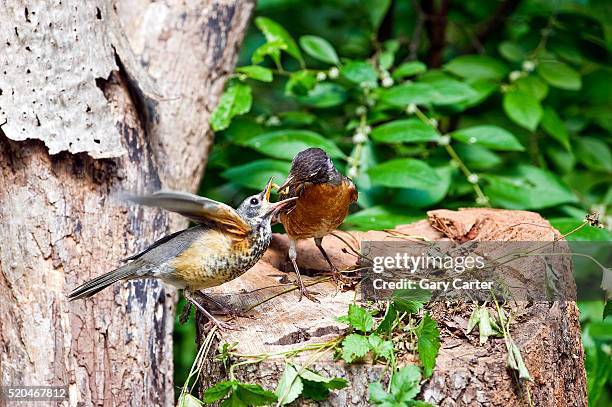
(258, 209)
(312, 165)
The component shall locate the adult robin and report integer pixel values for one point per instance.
(222, 246)
(323, 199)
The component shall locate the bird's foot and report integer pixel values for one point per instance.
(342, 281)
(304, 292)
(222, 325)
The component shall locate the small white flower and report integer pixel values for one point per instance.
(444, 140)
(364, 85)
(333, 72)
(361, 110)
(472, 140)
(273, 121)
(367, 129)
(528, 66)
(411, 108)
(352, 172)
(514, 75)
(321, 76)
(433, 122)
(473, 179)
(370, 102)
(359, 138)
(260, 119)
(387, 82)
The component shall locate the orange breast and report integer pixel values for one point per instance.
(320, 209)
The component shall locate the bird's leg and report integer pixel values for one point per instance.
(191, 298)
(336, 274)
(300, 283)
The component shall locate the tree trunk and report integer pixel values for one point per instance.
(466, 373)
(81, 119)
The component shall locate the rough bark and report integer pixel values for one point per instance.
(466, 373)
(58, 221)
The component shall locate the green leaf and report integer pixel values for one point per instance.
(273, 49)
(233, 401)
(376, 10)
(523, 109)
(527, 187)
(477, 157)
(290, 385)
(359, 318)
(218, 391)
(422, 198)
(255, 174)
(492, 137)
(300, 83)
(379, 218)
(450, 91)
(515, 360)
(386, 324)
(377, 395)
(563, 160)
(511, 51)
(354, 346)
(474, 319)
(275, 33)
(256, 72)
(319, 48)
(477, 67)
(254, 394)
(314, 390)
(593, 153)
(405, 383)
(552, 124)
(403, 95)
(409, 69)
(324, 95)
(607, 309)
(286, 144)
(187, 400)
(586, 233)
(428, 343)
(404, 131)
(404, 173)
(410, 301)
(235, 101)
(380, 347)
(484, 324)
(360, 72)
(560, 75)
(533, 86)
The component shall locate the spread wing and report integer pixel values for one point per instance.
(196, 208)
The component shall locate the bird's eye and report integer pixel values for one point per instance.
(254, 201)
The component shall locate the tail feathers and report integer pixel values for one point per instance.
(100, 283)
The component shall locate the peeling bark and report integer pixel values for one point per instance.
(466, 373)
(59, 223)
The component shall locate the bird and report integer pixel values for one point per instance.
(323, 199)
(222, 246)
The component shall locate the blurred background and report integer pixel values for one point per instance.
(429, 104)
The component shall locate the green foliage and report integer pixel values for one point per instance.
(236, 394)
(405, 386)
(428, 343)
(297, 381)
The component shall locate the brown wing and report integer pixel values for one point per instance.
(196, 208)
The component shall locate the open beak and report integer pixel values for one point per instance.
(286, 184)
(268, 189)
(280, 205)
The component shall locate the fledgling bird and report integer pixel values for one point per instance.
(323, 199)
(224, 245)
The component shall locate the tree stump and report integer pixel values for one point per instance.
(466, 373)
